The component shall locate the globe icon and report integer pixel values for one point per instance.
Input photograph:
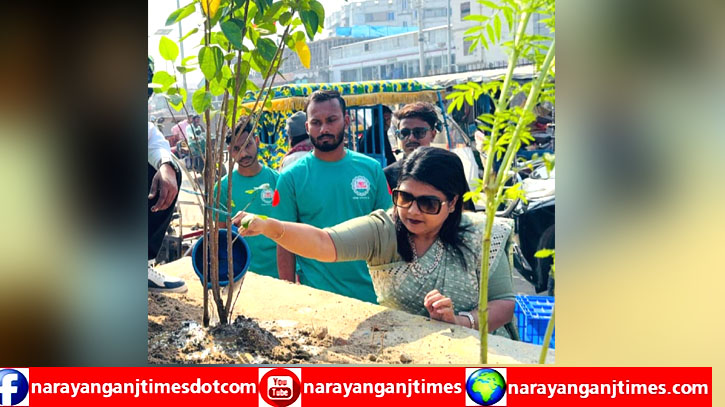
(486, 387)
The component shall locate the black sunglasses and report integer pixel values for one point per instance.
(418, 132)
(427, 204)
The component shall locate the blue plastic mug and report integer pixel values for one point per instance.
(241, 254)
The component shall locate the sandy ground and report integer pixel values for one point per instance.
(279, 322)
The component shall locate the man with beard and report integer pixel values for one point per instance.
(327, 187)
(417, 124)
(248, 175)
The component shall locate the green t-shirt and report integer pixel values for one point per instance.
(323, 194)
(264, 250)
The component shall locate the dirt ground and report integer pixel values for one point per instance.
(279, 322)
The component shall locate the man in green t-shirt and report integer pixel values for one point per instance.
(325, 188)
(250, 175)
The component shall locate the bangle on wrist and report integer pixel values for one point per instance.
(470, 318)
(281, 234)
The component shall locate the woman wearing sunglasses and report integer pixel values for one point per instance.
(424, 254)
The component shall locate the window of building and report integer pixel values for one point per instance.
(350, 75)
(391, 16)
(404, 5)
(369, 73)
(367, 47)
(434, 12)
(465, 9)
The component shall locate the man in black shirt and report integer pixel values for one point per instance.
(372, 133)
(417, 124)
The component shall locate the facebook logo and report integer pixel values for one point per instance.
(14, 387)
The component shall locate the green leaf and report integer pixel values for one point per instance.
(201, 100)
(178, 99)
(233, 33)
(476, 17)
(211, 60)
(226, 72)
(316, 6)
(243, 67)
(468, 196)
(194, 31)
(267, 29)
(183, 69)
(168, 49)
(491, 34)
(164, 79)
(220, 39)
(543, 253)
(181, 14)
(469, 98)
(263, 4)
(217, 87)
(253, 35)
(473, 46)
(474, 29)
(253, 58)
(311, 23)
(273, 12)
(509, 15)
(298, 36)
(285, 18)
(266, 48)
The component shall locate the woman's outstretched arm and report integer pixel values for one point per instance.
(298, 238)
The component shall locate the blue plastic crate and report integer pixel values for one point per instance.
(533, 313)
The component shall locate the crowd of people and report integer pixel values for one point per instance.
(401, 236)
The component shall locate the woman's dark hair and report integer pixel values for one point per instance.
(442, 170)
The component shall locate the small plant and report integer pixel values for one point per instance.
(239, 36)
(507, 128)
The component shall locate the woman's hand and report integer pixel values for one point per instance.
(249, 224)
(439, 307)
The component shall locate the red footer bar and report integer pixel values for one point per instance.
(377, 386)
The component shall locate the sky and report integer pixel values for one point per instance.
(158, 12)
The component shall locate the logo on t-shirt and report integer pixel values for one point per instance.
(360, 186)
(267, 195)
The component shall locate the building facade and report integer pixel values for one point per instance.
(398, 56)
(401, 13)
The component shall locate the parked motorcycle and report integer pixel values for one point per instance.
(535, 228)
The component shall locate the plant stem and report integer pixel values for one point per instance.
(547, 338)
(490, 189)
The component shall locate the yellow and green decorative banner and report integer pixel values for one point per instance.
(293, 97)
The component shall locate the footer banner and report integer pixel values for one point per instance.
(376, 386)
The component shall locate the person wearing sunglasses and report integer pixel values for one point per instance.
(424, 254)
(417, 124)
